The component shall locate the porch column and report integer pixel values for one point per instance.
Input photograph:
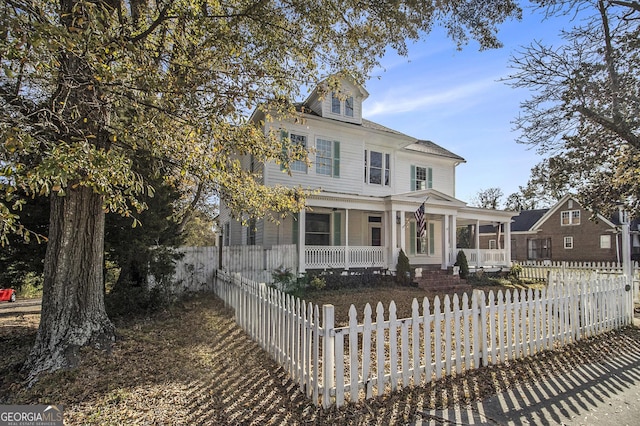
(445, 241)
(454, 239)
(393, 240)
(302, 220)
(403, 233)
(346, 238)
(477, 243)
(507, 242)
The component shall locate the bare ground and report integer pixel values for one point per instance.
(192, 365)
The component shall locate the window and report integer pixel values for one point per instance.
(317, 229)
(348, 106)
(328, 157)
(570, 217)
(539, 248)
(605, 241)
(299, 165)
(492, 245)
(425, 244)
(568, 243)
(251, 233)
(421, 178)
(226, 234)
(377, 168)
(335, 103)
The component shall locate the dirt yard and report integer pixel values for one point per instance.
(192, 365)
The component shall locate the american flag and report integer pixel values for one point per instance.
(421, 227)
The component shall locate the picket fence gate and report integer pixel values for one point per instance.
(363, 359)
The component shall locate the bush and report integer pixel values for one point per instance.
(461, 261)
(403, 269)
(515, 271)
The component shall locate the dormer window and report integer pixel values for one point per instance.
(341, 107)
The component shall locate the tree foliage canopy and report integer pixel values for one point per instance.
(89, 88)
(585, 111)
(85, 84)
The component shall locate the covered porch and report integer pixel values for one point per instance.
(354, 232)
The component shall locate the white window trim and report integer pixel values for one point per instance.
(343, 105)
(568, 240)
(306, 147)
(571, 218)
(493, 245)
(606, 246)
(386, 167)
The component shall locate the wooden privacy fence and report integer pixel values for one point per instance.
(332, 365)
(195, 270)
(539, 270)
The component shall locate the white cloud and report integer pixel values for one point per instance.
(411, 98)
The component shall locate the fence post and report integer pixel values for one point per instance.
(328, 361)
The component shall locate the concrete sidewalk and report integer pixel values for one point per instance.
(593, 394)
(602, 394)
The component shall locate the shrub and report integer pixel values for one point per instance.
(317, 283)
(515, 271)
(283, 279)
(461, 261)
(403, 269)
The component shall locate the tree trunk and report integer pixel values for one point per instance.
(73, 312)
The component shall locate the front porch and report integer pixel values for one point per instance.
(362, 233)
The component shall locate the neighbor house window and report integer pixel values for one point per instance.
(377, 168)
(421, 178)
(605, 241)
(538, 248)
(492, 245)
(568, 242)
(328, 157)
(570, 217)
(317, 229)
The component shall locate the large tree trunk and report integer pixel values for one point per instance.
(73, 313)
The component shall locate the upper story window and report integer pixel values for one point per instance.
(570, 217)
(377, 168)
(421, 178)
(251, 233)
(342, 107)
(299, 165)
(328, 157)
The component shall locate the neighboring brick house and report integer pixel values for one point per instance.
(564, 232)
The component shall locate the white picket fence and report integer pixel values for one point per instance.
(539, 270)
(373, 356)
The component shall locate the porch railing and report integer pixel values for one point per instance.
(486, 257)
(329, 257)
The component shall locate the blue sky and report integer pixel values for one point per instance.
(455, 99)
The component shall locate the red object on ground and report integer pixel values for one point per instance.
(7, 295)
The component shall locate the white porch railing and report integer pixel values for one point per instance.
(487, 257)
(326, 257)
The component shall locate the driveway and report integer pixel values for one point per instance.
(20, 307)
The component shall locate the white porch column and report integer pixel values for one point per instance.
(445, 241)
(454, 239)
(477, 244)
(393, 240)
(403, 233)
(346, 238)
(507, 242)
(302, 219)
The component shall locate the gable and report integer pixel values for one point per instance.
(567, 204)
(342, 103)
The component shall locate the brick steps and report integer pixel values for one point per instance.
(438, 280)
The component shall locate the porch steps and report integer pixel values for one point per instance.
(441, 281)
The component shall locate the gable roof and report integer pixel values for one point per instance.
(521, 222)
(557, 207)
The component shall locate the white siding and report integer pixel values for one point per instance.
(443, 172)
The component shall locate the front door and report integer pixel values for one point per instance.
(375, 233)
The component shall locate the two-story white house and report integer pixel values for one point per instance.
(369, 181)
